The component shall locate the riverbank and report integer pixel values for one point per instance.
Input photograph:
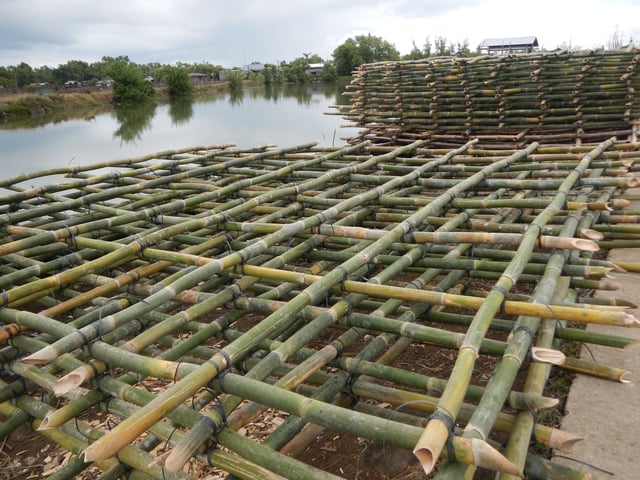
(56, 106)
(32, 106)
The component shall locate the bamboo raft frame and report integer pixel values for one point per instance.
(293, 279)
(504, 101)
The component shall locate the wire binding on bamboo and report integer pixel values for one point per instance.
(304, 280)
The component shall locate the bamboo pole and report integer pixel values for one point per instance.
(436, 433)
(145, 270)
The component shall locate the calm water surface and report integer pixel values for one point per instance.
(285, 116)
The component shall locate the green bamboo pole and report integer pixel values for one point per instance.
(185, 416)
(563, 312)
(436, 433)
(519, 345)
(297, 340)
(132, 427)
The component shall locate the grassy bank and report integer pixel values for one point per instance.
(29, 106)
(31, 109)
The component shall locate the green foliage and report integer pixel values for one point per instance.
(376, 49)
(296, 71)
(129, 84)
(23, 75)
(177, 81)
(415, 53)
(363, 49)
(329, 72)
(440, 47)
(269, 74)
(133, 120)
(347, 57)
(235, 80)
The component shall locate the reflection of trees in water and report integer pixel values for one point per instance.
(180, 110)
(304, 93)
(133, 121)
(236, 96)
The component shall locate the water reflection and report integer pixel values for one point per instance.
(180, 110)
(236, 96)
(132, 121)
(278, 115)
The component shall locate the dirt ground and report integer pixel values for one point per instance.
(26, 454)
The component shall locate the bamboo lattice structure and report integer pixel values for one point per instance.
(505, 101)
(187, 294)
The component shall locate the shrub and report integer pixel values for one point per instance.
(129, 83)
(177, 81)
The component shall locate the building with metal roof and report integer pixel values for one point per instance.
(502, 46)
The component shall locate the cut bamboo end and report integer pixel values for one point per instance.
(563, 441)
(526, 401)
(41, 357)
(620, 203)
(160, 460)
(631, 321)
(485, 456)
(591, 234)
(175, 461)
(45, 424)
(190, 444)
(91, 454)
(624, 378)
(430, 444)
(585, 245)
(548, 355)
(618, 268)
(68, 382)
(581, 244)
(426, 458)
(608, 284)
(632, 345)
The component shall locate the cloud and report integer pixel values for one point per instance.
(41, 32)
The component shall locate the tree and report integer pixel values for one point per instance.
(235, 80)
(23, 75)
(347, 57)
(295, 71)
(375, 49)
(414, 54)
(129, 84)
(72, 70)
(615, 40)
(328, 72)
(442, 48)
(177, 81)
(363, 49)
(427, 47)
(462, 49)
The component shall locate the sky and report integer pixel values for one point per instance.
(238, 32)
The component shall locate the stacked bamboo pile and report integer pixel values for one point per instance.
(187, 294)
(507, 101)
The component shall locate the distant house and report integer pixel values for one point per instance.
(503, 46)
(253, 67)
(196, 77)
(314, 70)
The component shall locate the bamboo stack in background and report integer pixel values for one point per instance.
(505, 101)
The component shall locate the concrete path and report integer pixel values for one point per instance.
(605, 413)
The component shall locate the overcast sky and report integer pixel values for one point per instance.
(236, 32)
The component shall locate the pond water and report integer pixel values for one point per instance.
(284, 116)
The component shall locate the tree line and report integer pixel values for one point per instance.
(346, 57)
